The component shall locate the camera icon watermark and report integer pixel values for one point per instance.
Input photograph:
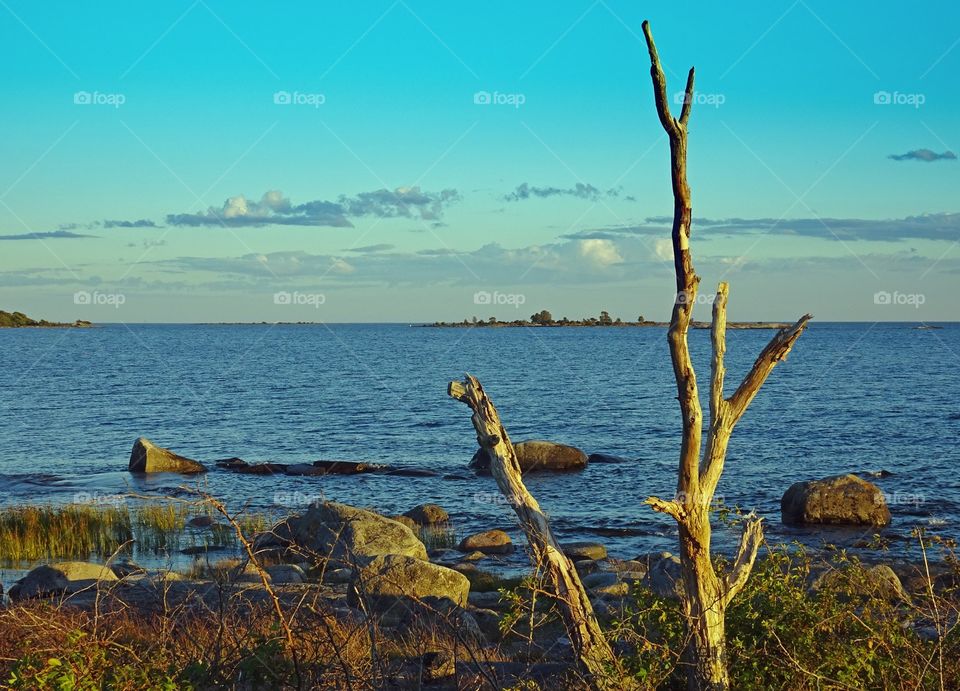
(295, 499)
(96, 98)
(684, 298)
(495, 98)
(484, 297)
(493, 498)
(298, 98)
(296, 298)
(896, 98)
(98, 299)
(99, 499)
(700, 99)
(897, 298)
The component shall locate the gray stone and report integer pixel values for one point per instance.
(392, 577)
(663, 577)
(347, 535)
(282, 574)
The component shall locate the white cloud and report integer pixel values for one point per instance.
(599, 252)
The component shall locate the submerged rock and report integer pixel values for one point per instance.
(489, 542)
(349, 467)
(838, 500)
(605, 458)
(538, 455)
(146, 457)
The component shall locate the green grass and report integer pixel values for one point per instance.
(81, 531)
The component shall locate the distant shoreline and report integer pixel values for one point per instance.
(597, 325)
(18, 320)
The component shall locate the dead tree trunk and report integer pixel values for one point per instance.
(706, 593)
(594, 654)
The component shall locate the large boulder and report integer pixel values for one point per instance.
(838, 500)
(538, 455)
(147, 457)
(348, 535)
(56, 579)
(390, 578)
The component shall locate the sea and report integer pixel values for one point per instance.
(878, 399)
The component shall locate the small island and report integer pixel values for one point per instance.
(18, 320)
(544, 318)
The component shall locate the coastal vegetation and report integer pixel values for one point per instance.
(545, 319)
(14, 320)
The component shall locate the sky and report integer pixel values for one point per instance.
(194, 161)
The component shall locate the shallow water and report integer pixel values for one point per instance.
(851, 398)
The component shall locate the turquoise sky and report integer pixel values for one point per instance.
(207, 161)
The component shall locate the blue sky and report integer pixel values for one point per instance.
(150, 153)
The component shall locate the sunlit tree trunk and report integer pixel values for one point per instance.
(706, 593)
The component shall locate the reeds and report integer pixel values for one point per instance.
(97, 531)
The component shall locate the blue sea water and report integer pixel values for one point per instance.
(850, 398)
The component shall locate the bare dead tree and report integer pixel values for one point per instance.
(706, 593)
(594, 655)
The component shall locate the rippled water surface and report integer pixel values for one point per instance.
(851, 398)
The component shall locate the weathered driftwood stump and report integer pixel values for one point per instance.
(594, 654)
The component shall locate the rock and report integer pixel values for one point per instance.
(601, 579)
(412, 472)
(285, 574)
(335, 576)
(437, 665)
(146, 457)
(586, 567)
(475, 556)
(348, 535)
(55, 579)
(428, 514)
(877, 581)
(85, 571)
(605, 458)
(485, 600)
(200, 522)
(349, 467)
(407, 521)
(838, 500)
(392, 577)
(42, 581)
(618, 589)
(304, 469)
(579, 551)
(489, 622)
(538, 455)
(489, 542)
(663, 577)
